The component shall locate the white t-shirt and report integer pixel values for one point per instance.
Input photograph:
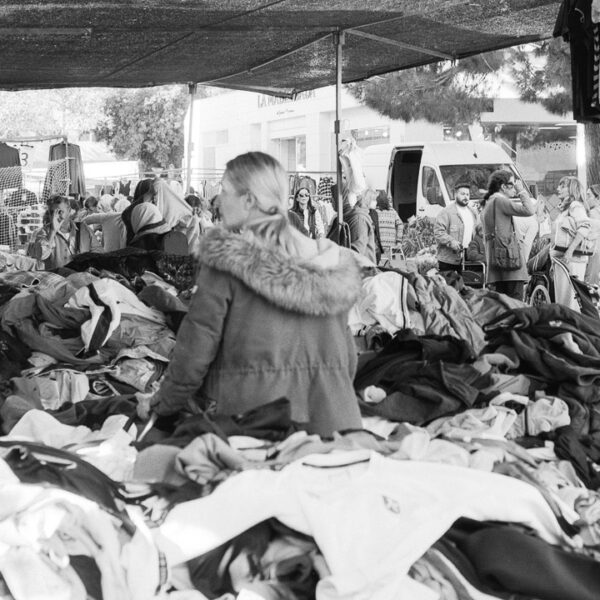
(468, 219)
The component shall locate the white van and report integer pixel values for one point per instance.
(420, 178)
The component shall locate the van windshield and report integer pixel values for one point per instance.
(475, 175)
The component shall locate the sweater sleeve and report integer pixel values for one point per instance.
(197, 344)
(518, 207)
(399, 227)
(96, 218)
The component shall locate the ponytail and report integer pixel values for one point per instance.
(264, 177)
(272, 230)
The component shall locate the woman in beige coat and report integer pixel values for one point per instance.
(506, 198)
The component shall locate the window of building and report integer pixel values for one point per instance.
(209, 158)
(291, 152)
(210, 141)
(215, 138)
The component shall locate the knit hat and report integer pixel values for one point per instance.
(145, 219)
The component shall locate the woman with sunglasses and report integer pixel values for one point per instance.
(506, 198)
(304, 207)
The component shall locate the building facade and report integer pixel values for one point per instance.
(300, 132)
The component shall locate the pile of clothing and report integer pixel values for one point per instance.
(475, 475)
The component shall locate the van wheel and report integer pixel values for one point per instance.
(539, 296)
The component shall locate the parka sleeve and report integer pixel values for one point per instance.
(521, 207)
(197, 344)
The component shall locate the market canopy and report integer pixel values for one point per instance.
(280, 47)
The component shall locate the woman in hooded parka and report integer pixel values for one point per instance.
(269, 317)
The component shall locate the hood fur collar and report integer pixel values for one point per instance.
(295, 284)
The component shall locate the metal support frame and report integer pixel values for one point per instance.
(188, 167)
(338, 40)
(384, 40)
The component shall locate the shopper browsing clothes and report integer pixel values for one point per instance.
(453, 230)
(269, 317)
(506, 198)
(592, 271)
(145, 191)
(148, 226)
(304, 207)
(369, 199)
(476, 248)
(60, 238)
(571, 227)
(571, 240)
(390, 224)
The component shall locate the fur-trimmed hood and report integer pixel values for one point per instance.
(308, 286)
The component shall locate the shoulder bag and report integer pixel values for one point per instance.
(340, 234)
(505, 250)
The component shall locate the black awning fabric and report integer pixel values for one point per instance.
(278, 47)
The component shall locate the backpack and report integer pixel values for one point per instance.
(340, 234)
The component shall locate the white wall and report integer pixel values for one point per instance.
(254, 121)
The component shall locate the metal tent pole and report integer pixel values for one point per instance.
(338, 39)
(188, 169)
(67, 158)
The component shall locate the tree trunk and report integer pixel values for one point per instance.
(592, 152)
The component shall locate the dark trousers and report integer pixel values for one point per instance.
(444, 266)
(514, 289)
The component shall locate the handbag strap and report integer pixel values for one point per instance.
(490, 236)
(512, 223)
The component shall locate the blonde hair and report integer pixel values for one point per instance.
(265, 179)
(368, 196)
(576, 191)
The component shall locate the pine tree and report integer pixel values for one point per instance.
(450, 93)
(457, 93)
(544, 75)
